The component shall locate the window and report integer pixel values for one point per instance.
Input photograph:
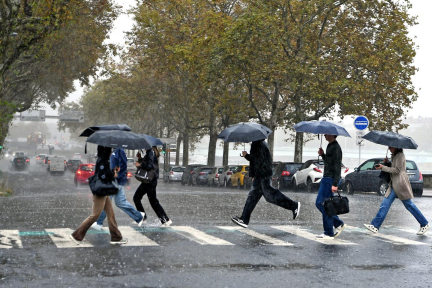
(178, 169)
(247, 168)
(233, 168)
(369, 165)
(220, 171)
(410, 165)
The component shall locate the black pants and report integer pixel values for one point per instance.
(262, 187)
(150, 190)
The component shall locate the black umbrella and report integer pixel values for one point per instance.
(90, 130)
(391, 139)
(245, 132)
(121, 139)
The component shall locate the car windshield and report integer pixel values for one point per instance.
(410, 165)
(291, 167)
(233, 168)
(178, 169)
(75, 161)
(130, 161)
(86, 168)
(206, 169)
(220, 171)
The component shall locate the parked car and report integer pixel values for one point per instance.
(200, 175)
(237, 179)
(225, 177)
(365, 178)
(73, 164)
(213, 176)
(187, 174)
(310, 174)
(20, 161)
(40, 159)
(283, 174)
(82, 174)
(174, 174)
(131, 164)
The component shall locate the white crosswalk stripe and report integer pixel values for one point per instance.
(199, 236)
(135, 238)
(310, 236)
(61, 239)
(386, 237)
(269, 239)
(10, 239)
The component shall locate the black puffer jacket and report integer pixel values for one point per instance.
(150, 161)
(260, 160)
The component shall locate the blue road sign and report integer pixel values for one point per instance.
(361, 123)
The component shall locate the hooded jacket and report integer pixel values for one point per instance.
(150, 161)
(102, 168)
(260, 160)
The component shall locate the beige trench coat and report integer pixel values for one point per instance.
(399, 178)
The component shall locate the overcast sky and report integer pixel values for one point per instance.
(423, 60)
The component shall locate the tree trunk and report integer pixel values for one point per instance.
(225, 154)
(270, 142)
(298, 149)
(177, 160)
(185, 161)
(211, 156)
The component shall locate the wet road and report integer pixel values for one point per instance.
(203, 248)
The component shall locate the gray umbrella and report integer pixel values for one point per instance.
(90, 130)
(391, 139)
(121, 139)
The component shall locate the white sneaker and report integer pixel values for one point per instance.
(96, 226)
(423, 230)
(143, 221)
(323, 237)
(74, 240)
(122, 241)
(166, 224)
(371, 228)
(338, 230)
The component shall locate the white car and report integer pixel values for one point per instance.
(174, 174)
(40, 159)
(310, 174)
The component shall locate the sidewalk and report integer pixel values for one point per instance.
(427, 192)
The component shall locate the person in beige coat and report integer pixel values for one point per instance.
(399, 187)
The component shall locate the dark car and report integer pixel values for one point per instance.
(366, 178)
(200, 175)
(187, 174)
(282, 174)
(73, 164)
(20, 161)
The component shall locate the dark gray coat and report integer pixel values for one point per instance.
(260, 160)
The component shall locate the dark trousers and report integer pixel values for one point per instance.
(323, 193)
(150, 190)
(262, 187)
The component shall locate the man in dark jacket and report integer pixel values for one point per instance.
(329, 183)
(260, 169)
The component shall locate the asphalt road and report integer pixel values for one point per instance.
(203, 248)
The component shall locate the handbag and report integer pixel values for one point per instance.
(336, 205)
(385, 175)
(103, 188)
(145, 176)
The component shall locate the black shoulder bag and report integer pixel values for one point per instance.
(336, 205)
(103, 188)
(146, 176)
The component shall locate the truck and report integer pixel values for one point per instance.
(57, 164)
(36, 138)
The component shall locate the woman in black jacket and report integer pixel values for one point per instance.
(260, 169)
(149, 162)
(101, 203)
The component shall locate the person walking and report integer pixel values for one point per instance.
(149, 162)
(260, 170)
(118, 159)
(101, 203)
(399, 187)
(329, 184)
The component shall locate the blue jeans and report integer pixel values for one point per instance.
(122, 203)
(325, 192)
(385, 207)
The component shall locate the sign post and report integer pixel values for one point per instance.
(35, 115)
(71, 116)
(361, 123)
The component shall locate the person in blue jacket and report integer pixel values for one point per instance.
(118, 161)
(149, 162)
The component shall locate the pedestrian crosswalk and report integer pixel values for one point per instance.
(287, 236)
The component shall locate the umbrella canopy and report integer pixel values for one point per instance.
(120, 139)
(153, 140)
(391, 139)
(90, 130)
(321, 127)
(245, 132)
